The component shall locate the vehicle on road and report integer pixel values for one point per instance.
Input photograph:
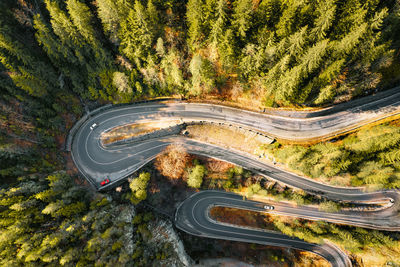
(269, 207)
(94, 125)
(104, 182)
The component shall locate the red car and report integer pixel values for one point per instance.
(104, 182)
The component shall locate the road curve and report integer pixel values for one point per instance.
(116, 162)
(192, 216)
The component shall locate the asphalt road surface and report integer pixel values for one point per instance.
(115, 162)
(192, 216)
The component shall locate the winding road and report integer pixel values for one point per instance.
(192, 216)
(115, 162)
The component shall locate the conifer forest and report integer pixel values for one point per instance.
(61, 58)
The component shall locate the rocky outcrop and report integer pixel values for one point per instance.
(162, 232)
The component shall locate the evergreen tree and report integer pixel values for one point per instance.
(111, 13)
(242, 17)
(136, 35)
(218, 28)
(203, 75)
(288, 20)
(28, 70)
(195, 19)
(326, 15)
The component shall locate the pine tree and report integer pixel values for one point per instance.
(203, 75)
(297, 42)
(195, 19)
(83, 20)
(136, 35)
(268, 14)
(174, 76)
(326, 15)
(111, 13)
(218, 28)
(29, 71)
(242, 17)
(288, 20)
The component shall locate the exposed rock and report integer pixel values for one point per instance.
(126, 215)
(164, 232)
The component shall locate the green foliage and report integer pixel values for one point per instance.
(371, 157)
(351, 238)
(111, 13)
(54, 222)
(253, 189)
(53, 52)
(329, 206)
(203, 75)
(195, 19)
(195, 178)
(242, 15)
(138, 187)
(286, 52)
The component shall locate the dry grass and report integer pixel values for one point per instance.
(172, 162)
(136, 129)
(225, 137)
(374, 257)
(241, 217)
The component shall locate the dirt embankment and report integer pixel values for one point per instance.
(136, 129)
(228, 136)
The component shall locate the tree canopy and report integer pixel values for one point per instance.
(281, 52)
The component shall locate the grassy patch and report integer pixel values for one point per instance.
(226, 136)
(135, 129)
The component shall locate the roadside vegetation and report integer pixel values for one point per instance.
(362, 243)
(165, 193)
(172, 162)
(367, 247)
(369, 157)
(60, 58)
(227, 136)
(196, 174)
(138, 186)
(259, 220)
(136, 129)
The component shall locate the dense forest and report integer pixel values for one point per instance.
(278, 52)
(58, 56)
(368, 157)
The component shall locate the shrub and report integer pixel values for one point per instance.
(172, 162)
(196, 175)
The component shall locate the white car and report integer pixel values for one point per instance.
(94, 125)
(269, 207)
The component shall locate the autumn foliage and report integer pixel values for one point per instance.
(172, 162)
